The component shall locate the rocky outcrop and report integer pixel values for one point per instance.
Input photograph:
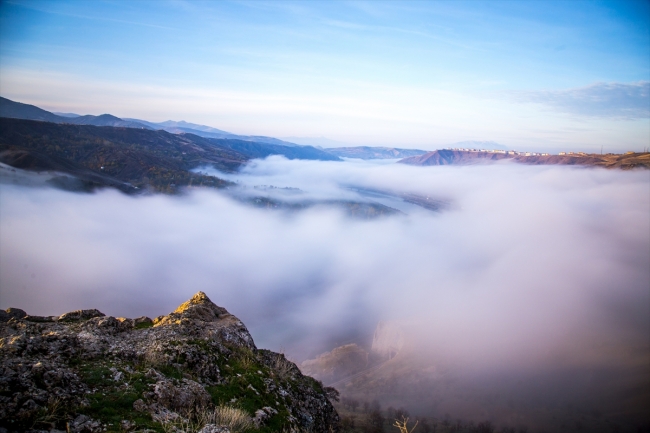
(87, 372)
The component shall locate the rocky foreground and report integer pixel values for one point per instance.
(196, 369)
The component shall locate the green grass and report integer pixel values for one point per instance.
(240, 366)
(143, 325)
(243, 368)
(112, 404)
(113, 407)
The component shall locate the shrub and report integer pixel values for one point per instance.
(234, 418)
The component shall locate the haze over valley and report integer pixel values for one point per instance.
(515, 274)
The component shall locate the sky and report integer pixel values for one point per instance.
(546, 76)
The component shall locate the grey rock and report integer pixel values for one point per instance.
(199, 308)
(16, 313)
(77, 315)
(127, 425)
(263, 415)
(84, 424)
(39, 319)
(140, 405)
(142, 321)
(180, 396)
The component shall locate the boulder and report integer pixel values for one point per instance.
(16, 313)
(181, 396)
(84, 424)
(78, 315)
(263, 415)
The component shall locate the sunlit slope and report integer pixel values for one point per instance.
(461, 157)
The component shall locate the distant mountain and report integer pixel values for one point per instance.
(269, 140)
(461, 157)
(487, 145)
(254, 149)
(17, 110)
(366, 152)
(188, 125)
(316, 141)
(179, 127)
(257, 147)
(206, 134)
(449, 157)
(105, 120)
(182, 127)
(66, 114)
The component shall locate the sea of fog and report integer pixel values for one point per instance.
(527, 266)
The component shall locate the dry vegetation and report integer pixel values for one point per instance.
(237, 420)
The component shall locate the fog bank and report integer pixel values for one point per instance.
(528, 267)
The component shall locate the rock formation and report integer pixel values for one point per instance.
(87, 372)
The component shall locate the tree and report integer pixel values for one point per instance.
(375, 422)
(403, 425)
(402, 413)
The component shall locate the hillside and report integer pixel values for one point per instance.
(250, 145)
(86, 372)
(462, 157)
(367, 152)
(254, 149)
(144, 159)
(104, 120)
(398, 371)
(182, 127)
(17, 110)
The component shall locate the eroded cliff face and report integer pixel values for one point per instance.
(87, 372)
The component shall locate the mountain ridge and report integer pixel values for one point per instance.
(142, 159)
(369, 152)
(17, 110)
(628, 160)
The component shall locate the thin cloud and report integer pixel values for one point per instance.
(616, 100)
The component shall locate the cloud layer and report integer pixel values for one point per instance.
(615, 100)
(531, 266)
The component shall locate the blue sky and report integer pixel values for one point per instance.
(530, 75)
